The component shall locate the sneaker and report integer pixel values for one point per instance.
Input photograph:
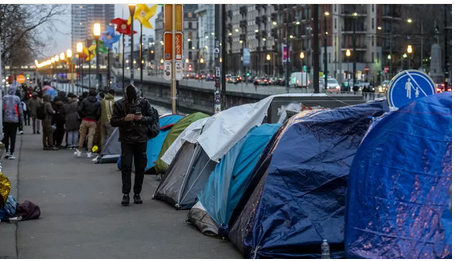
(12, 157)
(126, 199)
(21, 132)
(137, 199)
(89, 155)
(95, 159)
(77, 153)
(7, 155)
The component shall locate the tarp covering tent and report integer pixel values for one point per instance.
(398, 191)
(112, 150)
(227, 182)
(175, 131)
(190, 134)
(154, 145)
(295, 197)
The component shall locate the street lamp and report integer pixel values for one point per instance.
(354, 15)
(69, 55)
(62, 56)
(409, 21)
(79, 49)
(96, 34)
(268, 58)
(132, 8)
(325, 49)
(409, 50)
(348, 54)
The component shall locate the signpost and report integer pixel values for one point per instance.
(20, 79)
(173, 46)
(408, 86)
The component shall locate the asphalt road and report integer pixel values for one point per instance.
(81, 215)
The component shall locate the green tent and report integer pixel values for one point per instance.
(175, 131)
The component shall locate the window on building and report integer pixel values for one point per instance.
(372, 23)
(190, 25)
(372, 41)
(330, 57)
(335, 23)
(190, 56)
(377, 57)
(372, 8)
(190, 45)
(372, 57)
(334, 8)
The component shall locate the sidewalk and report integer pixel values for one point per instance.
(81, 215)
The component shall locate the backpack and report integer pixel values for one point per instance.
(154, 129)
(40, 114)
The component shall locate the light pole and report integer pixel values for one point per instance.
(79, 49)
(52, 68)
(421, 41)
(302, 56)
(268, 58)
(409, 50)
(132, 8)
(325, 49)
(69, 55)
(96, 34)
(348, 54)
(353, 49)
(62, 60)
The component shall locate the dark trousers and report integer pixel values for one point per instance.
(58, 134)
(139, 151)
(10, 130)
(27, 118)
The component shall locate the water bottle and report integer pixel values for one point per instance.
(325, 250)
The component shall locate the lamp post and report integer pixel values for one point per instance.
(409, 50)
(348, 54)
(421, 40)
(69, 55)
(132, 8)
(96, 34)
(353, 49)
(325, 48)
(268, 58)
(52, 68)
(62, 59)
(79, 49)
(302, 56)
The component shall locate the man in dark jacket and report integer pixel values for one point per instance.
(133, 116)
(59, 121)
(90, 112)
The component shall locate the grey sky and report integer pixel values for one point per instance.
(62, 38)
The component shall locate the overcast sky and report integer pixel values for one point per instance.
(62, 39)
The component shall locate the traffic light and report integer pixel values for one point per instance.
(247, 73)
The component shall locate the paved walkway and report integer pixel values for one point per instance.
(81, 215)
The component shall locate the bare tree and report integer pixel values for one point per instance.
(21, 27)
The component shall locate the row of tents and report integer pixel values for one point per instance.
(374, 183)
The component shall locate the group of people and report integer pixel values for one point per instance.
(87, 120)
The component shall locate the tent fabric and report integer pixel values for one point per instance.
(227, 182)
(295, 198)
(399, 185)
(185, 177)
(154, 145)
(175, 131)
(230, 125)
(112, 150)
(190, 134)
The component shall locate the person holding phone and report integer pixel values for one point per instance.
(137, 122)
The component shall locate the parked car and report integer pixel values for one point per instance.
(299, 79)
(384, 86)
(332, 85)
(210, 77)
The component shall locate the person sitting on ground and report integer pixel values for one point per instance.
(12, 119)
(90, 112)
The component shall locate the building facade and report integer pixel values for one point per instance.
(84, 16)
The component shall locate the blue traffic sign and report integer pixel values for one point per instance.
(407, 86)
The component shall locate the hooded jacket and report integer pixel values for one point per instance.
(33, 104)
(48, 111)
(12, 108)
(72, 121)
(107, 105)
(133, 132)
(90, 109)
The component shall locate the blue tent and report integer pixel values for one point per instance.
(398, 191)
(295, 197)
(227, 182)
(154, 145)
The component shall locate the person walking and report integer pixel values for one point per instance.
(138, 122)
(89, 111)
(12, 119)
(72, 122)
(26, 111)
(48, 128)
(33, 104)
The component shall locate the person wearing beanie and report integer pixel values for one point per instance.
(33, 104)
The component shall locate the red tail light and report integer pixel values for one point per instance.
(30, 95)
(449, 89)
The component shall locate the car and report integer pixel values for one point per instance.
(332, 85)
(440, 87)
(261, 81)
(210, 77)
(384, 86)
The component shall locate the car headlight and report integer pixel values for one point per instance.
(338, 87)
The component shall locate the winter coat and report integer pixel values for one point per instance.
(107, 105)
(12, 107)
(59, 116)
(33, 105)
(90, 109)
(133, 132)
(72, 122)
(48, 111)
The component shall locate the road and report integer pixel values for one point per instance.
(81, 215)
